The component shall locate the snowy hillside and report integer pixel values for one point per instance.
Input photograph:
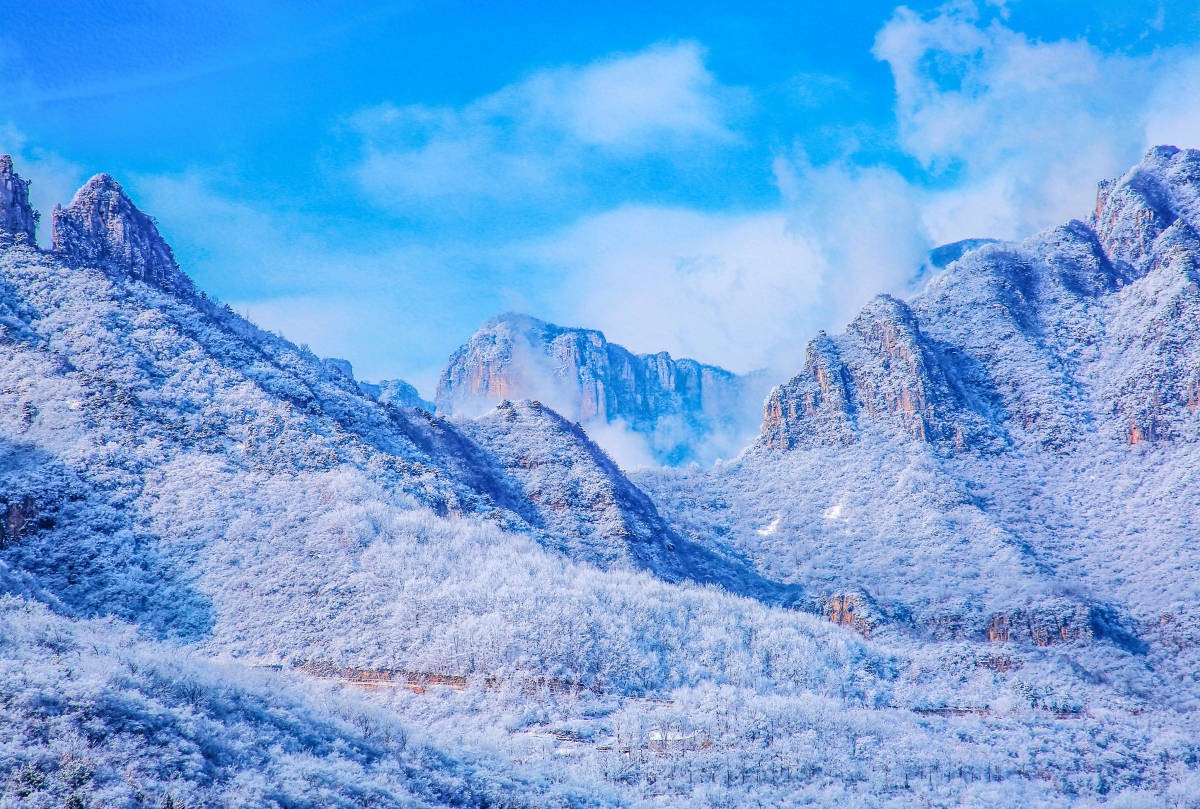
(958, 568)
(1010, 456)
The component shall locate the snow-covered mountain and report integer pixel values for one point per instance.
(390, 391)
(673, 411)
(113, 346)
(1011, 453)
(957, 567)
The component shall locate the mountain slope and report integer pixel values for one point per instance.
(970, 633)
(123, 389)
(1008, 455)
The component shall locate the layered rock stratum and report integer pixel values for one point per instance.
(683, 410)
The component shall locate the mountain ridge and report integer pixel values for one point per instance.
(950, 458)
(684, 410)
(964, 573)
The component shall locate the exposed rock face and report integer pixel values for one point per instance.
(675, 404)
(815, 402)
(1056, 621)
(103, 227)
(884, 371)
(18, 221)
(851, 609)
(17, 519)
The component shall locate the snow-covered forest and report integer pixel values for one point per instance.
(958, 568)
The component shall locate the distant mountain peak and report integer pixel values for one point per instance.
(18, 220)
(395, 392)
(945, 254)
(675, 405)
(102, 226)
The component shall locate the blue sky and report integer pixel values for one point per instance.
(710, 179)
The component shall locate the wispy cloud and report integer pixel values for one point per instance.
(546, 135)
(392, 307)
(718, 287)
(1012, 132)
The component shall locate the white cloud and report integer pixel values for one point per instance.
(659, 97)
(629, 450)
(725, 288)
(1009, 135)
(532, 139)
(1013, 132)
(864, 224)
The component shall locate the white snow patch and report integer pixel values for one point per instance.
(771, 528)
(836, 511)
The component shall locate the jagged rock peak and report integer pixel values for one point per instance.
(17, 219)
(885, 372)
(814, 405)
(103, 227)
(1133, 210)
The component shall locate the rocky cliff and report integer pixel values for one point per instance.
(18, 221)
(684, 410)
(883, 372)
(103, 227)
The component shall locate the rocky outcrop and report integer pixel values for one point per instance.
(103, 228)
(1057, 621)
(852, 609)
(814, 403)
(18, 220)
(883, 372)
(17, 519)
(1135, 209)
(395, 392)
(675, 404)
